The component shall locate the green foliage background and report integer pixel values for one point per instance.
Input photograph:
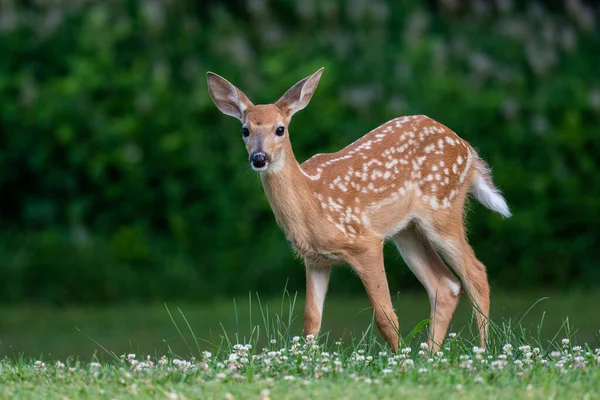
(120, 179)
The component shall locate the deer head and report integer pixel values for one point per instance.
(264, 127)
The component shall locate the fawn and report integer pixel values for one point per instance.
(406, 180)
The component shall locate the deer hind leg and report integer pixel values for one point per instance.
(442, 286)
(453, 246)
(369, 266)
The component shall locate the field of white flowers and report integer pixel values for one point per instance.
(308, 368)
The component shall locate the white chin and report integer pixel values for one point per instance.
(261, 169)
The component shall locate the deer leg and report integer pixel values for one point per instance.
(317, 280)
(369, 266)
(458, 253)
(442, 287)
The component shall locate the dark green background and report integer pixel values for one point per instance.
(120, 179)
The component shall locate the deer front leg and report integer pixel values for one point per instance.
(369, 266)
(317, 280)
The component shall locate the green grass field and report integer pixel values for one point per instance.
(83, 352)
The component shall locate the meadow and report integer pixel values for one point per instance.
(252, 348)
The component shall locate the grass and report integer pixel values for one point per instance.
(254, 353)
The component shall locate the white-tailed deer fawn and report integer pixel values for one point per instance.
(406, 180)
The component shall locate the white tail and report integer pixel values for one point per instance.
(406, 181)
(484, 190)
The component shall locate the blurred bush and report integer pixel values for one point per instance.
(121, 180)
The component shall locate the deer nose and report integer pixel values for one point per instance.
(259, 159)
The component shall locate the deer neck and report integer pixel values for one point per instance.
(291, 198)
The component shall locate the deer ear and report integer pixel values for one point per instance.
(228, 99)
(298, 96)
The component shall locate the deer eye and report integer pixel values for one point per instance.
(280, 131)
(245, 132)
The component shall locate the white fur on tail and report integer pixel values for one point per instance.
(484, 190)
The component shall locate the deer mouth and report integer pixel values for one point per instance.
(260, 168)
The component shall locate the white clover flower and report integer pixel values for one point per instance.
(59, 365)
(424, 346)
(421, 353)
(507, 349)
(529, 387)
(502, 357)
(382, 354)
(296, 339)
(422, 370)
(264, 394)
(518, 364)
(273, 341)
(131, 356)
(430, 360)
(524, 349)
(479, 379)
(386, 371)
(92, 364)
(452, 335)
(406, 351)
(289, 378)
(39, 365)
(555, 354)
(361, 351)
(439, 354)
(565, 342)
(409, 362)
(221, 375)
